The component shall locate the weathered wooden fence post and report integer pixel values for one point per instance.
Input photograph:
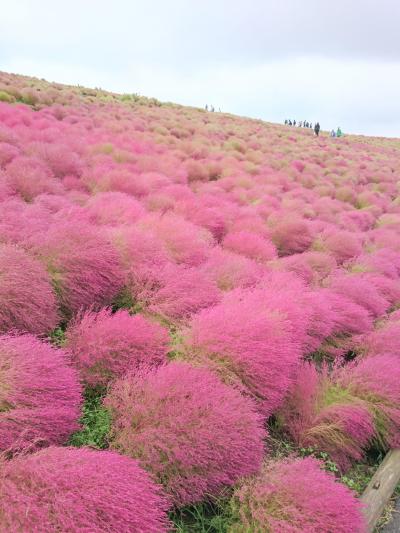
(381, 487)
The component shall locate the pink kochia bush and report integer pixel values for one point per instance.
(312, 267)
(40, 395)
(114, 208)
(361, 291)
(345, 411)
(291, 235)
(194, 434)
(343, 245)
(179, 292)
(385, 339)
(231, 270)
(250, 245)
(250, 342)
(104, 345)
(295, 496)
(27, 301)
(83, 265)
(72, 490)
(185, 242)
(349, 317)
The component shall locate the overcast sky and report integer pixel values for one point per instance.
(336, 61)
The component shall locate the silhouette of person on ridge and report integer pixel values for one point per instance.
(317, 127)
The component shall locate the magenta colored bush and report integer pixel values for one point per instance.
(291, 235)
(312, 267)
(105, 345)
(376, 381)
(84, 266)
(178, 292)
(317, 413)
(388, 288)
(60, 158)
(39, 393)
(184, 242)
(343, 245)
(194, 434)
(249, 342)
(114, 208)
(383, 261)
(321, 319)
(349, 317)
(295, 496)
(72, 490)
(20, 221)
(346, 411)
(140, 251)
(7, 153)
(359, 290)
(385, 339)
(27, 301)
(250, 245)
(230, 270)
(28, 177)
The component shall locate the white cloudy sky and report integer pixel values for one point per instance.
(336, 61)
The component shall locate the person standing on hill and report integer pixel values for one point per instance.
(339, 132)
(317, 127)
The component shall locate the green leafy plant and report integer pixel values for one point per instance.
(205, 517)
(5, 97)
(57, 337)
(95, 421)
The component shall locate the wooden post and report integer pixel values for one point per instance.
(380, 488)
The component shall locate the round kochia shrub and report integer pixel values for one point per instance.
(193, 433)
(250, 245)
(83, 265)
(360, 290)
(184, 242)
(295, 496)
(385, 339)
(250, 341)
(179, 292)
(343, 245)
(105, 345)
(114, 208)
(72, 490)
(230, 270)
(346, 411)
(40, 395)
(291, 235)
(27, 301)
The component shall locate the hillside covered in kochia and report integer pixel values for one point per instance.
(183, 289)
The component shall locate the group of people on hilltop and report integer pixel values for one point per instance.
(337, 133)
(212, 108)
(304, 124)
(299, 124)
(317, 127)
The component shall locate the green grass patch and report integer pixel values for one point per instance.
(204, 517)
(95, 421)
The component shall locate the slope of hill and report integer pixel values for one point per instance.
(220, 296)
